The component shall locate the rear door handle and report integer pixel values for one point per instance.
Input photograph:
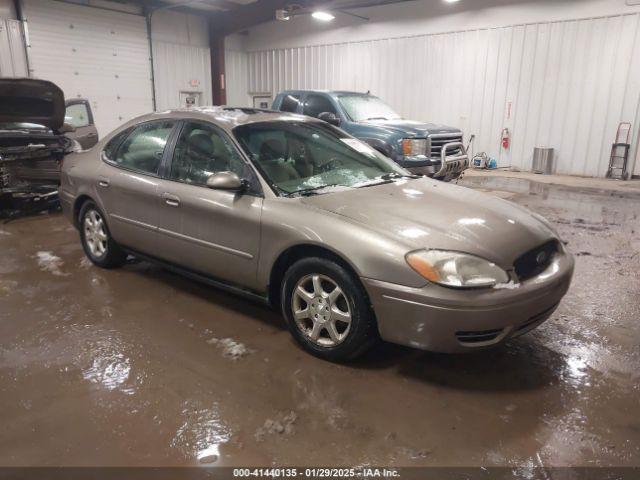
(92, 134)
(171, 200)
(103, 182)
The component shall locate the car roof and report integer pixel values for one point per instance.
(225, 117)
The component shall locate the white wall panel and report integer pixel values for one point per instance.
(13, 60)
(569, 83)
(181, 58)
(175, 67)
(96, 54)
(237, 71)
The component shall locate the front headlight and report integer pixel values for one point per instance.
(412, 147)
(455, 269)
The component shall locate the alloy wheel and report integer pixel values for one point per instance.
(95, 233)
(321, 310)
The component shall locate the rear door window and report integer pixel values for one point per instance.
(142, 151)
(111, 148)
(315, 104)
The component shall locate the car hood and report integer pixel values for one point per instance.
(24, 100)
(423, 213)
(411, 127)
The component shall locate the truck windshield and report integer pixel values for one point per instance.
(366, 107)
(308, 157)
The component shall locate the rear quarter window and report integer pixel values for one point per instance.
(112, 145)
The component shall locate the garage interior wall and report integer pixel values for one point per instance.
(565, 84)
(13, 59)
(236, 68)
(181, 59)
(90, 53)
(104, 56)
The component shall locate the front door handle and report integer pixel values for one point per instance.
(103, 182)
(171, 200)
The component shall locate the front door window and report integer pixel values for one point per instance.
(202, 151)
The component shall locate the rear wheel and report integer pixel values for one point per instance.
(97, 243)
(327, 310)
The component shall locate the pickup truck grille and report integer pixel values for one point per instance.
(440, 139)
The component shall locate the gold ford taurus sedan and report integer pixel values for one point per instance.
(294, 211)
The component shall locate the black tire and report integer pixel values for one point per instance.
(362, 332)
(112, 256)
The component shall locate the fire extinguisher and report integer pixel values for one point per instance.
(505, 138)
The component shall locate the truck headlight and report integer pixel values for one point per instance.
(455, 269)
(412, 147)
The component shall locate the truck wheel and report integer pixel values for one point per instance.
(327, 310)
(96, 240)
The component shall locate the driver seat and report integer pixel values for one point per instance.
(272, 160)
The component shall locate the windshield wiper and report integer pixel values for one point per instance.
(312, 191)
(376, 118)
(387, 178)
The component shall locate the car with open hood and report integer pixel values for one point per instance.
(37, 129)
(294, 212)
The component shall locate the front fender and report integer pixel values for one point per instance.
(369, 253)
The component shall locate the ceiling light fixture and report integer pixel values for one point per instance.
(323, 16)
(451, 1)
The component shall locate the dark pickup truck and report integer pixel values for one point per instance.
(422, 148)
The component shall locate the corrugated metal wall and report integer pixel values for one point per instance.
(562, 84)
(96, 54)
(13, 61)
(175, 66)
(237, 71)
(181, 58)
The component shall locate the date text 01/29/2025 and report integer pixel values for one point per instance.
(362, 472)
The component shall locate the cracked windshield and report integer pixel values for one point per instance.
(307, 158)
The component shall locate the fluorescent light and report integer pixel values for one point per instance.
(451, 1)
(323, 16)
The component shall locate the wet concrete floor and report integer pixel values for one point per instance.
(138, 366)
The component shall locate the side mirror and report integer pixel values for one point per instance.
(226, 181)
(329, 118)
(67, 128)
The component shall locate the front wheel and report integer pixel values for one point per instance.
(327, 310)
(97, 243)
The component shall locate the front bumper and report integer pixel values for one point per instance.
(448, 320)
(440, 168)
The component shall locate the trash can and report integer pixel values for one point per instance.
(543, 160)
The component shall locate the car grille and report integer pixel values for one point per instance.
(535, 261)
(440, 139)
(478, 336)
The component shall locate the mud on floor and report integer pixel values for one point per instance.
(138, 366)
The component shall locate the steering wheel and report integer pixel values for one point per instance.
(330, 165)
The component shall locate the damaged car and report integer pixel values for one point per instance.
(290, 210)
(36, 132)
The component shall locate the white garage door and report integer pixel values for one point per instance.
(99, 55)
